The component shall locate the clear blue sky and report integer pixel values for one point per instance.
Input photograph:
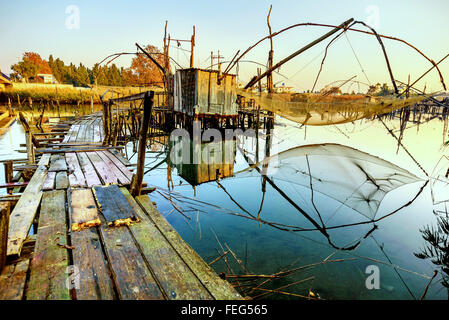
(107, 27)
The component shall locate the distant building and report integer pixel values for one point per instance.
(47, 77)
(283, 89)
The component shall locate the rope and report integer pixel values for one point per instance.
(358, 61)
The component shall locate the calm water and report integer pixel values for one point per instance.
(264, 249)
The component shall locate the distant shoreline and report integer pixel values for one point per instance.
(64, 93)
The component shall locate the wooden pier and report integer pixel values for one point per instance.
(92, 239)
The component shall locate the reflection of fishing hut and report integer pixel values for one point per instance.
(206, 94)
(203, 162)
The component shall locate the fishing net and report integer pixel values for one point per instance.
(439, 181)
(314, 109)
(354, 178)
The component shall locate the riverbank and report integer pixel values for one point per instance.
(21, 93)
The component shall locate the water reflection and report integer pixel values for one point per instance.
(216, 161)
(256, 214)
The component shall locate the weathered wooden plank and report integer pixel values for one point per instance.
(24, 212)
(12, 280)
(4, 225)
(120, 157)
(76, 176)
(84, 212)
(48, 275)
(219, 288)
(128, 173)
(74, 149)
(49, 183)
(62, 182)
(106, 175)
(97, 134)
(133, 279)
(82, 133)
(73, 133)
(57, 163)
(95, 282)
(113, 205)
(173, 275)
(122, 178)
(88, 169)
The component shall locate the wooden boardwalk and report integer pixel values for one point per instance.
(92, 239)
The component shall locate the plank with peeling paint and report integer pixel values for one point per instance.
(113, 205)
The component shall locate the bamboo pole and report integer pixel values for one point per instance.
(136, 182)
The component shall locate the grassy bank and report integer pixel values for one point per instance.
(66, 94)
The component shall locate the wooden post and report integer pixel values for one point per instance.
(192, 42)
(8, 174)
(136, 183)
(105, 123)
(30, 148)
(4, 226)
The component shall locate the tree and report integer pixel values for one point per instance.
(143, 71)
(30, 65)
(373, 89)
(384, 90)
(24, 69)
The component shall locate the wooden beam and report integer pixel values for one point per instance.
(136, 183)
(25, 210)
(4, 224)
(254, 80)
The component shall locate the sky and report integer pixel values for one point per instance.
(88, 31)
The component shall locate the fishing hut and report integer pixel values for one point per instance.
(204, 94)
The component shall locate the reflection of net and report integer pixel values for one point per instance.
(313, 109)
(439, 184)
(356, 179)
